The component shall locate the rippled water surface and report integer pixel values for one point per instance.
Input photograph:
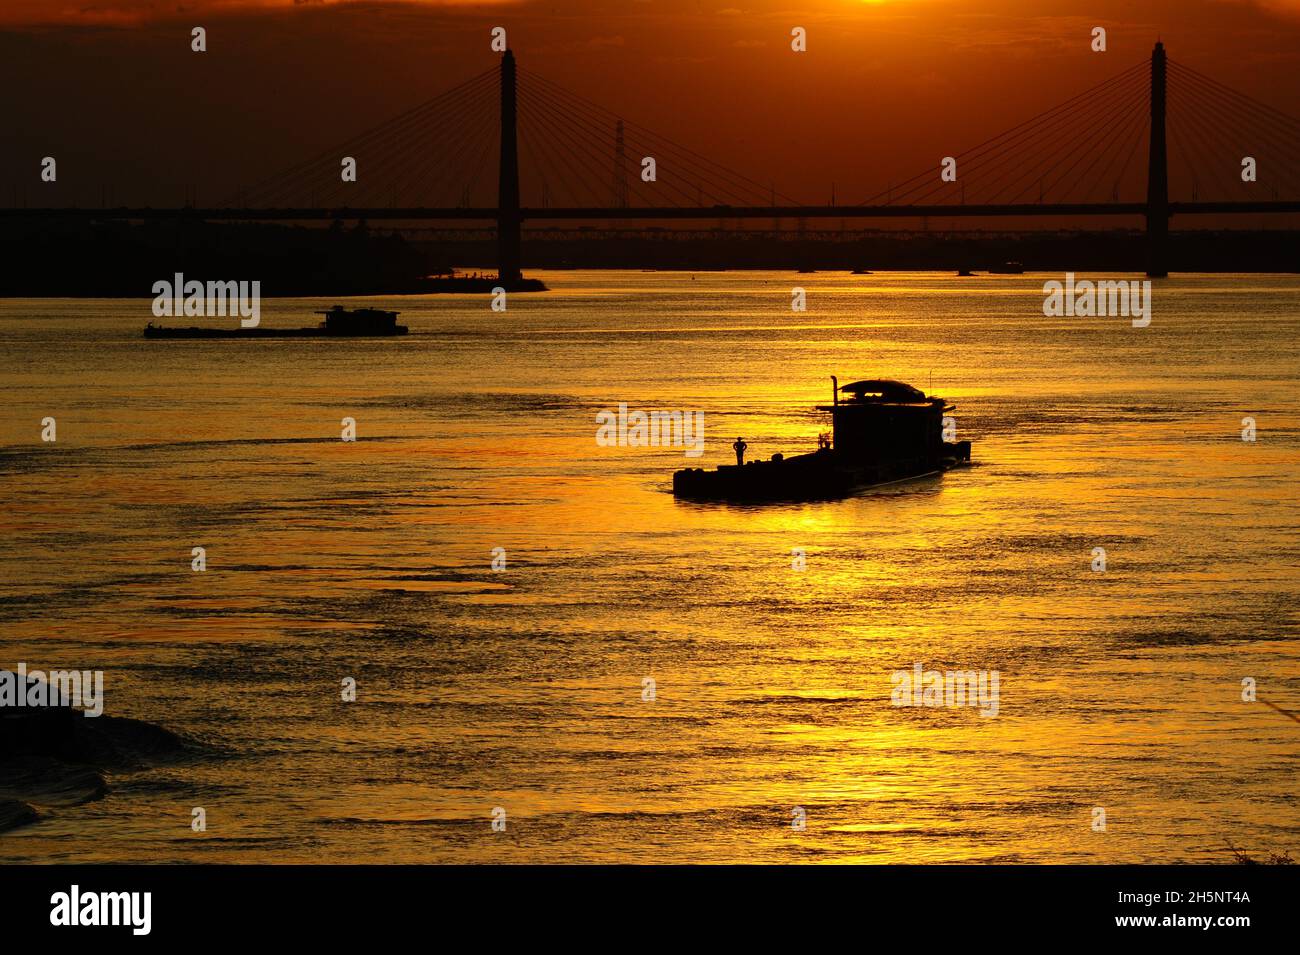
(522, 688)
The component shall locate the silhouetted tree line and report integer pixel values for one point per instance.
(114, 258)
(1114, 251)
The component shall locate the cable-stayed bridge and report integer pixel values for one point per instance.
(1175, 142)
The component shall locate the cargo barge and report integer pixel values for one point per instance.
(883, 431)
(339, 322)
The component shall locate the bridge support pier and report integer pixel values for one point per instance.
(1158, 173)
(509, 221)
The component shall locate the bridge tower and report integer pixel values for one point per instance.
(508, 218)
(620, 167)
(1158, 173)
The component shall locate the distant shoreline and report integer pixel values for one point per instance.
(536, 285)
(123, 260)
(454, 286)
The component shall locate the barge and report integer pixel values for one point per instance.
(883, 431)
(339, 322)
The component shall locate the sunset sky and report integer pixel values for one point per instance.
(112, 88)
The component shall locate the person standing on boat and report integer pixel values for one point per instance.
(739, 447)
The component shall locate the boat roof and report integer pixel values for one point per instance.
(340, 310)
(887, 388)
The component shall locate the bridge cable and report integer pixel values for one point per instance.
(1018, 129)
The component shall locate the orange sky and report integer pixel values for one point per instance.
(111, 87)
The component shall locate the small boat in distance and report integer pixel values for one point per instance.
(1008, 268)
(885, 431)
(339, 322)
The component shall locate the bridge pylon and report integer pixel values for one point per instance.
(508, 217)
(1158, 172)
(620, 167)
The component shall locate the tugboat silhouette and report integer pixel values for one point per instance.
(885, 431)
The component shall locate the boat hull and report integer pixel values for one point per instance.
(823, 475)
(193, 332)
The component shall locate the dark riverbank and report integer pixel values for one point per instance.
(1110, 251)
(114, 259)
(54, 758)
(119, 259)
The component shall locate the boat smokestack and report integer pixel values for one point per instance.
(835, 390)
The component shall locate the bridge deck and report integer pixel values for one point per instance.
(663, 212)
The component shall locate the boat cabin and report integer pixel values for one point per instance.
(351, 321)
(884, 420)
